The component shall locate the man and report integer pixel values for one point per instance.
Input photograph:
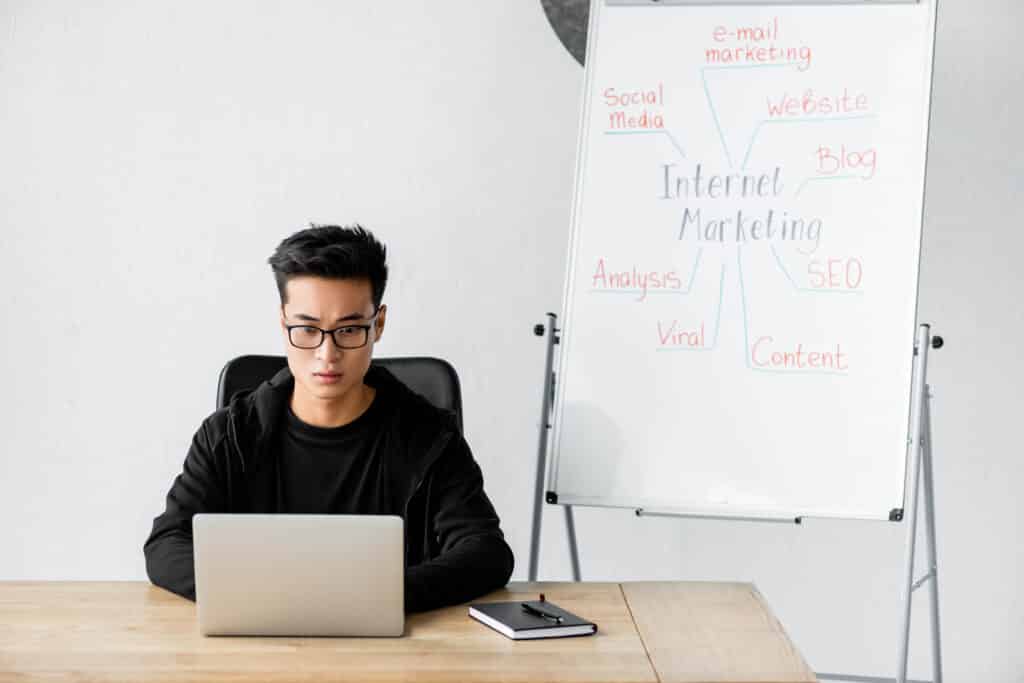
(331, 435)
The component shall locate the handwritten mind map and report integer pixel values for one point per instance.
(762, 153)
(741, 296)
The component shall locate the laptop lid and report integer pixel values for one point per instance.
(299, 575)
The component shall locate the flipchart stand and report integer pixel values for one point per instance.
(919, 463)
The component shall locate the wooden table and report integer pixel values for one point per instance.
(672, 631)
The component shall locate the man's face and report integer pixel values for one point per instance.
(328, 372)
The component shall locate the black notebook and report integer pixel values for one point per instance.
(531, 619)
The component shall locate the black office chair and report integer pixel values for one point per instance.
(432, 378)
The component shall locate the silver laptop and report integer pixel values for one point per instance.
(299, 575)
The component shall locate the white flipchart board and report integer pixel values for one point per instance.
(740, 302)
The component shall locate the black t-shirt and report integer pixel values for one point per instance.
(335, 470)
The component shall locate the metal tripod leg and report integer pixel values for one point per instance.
(920, 460)
(933, 563)
(574, 555)
(547, 401)
(932, 573)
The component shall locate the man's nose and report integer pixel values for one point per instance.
(328, 350)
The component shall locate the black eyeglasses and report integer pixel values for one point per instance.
(345, 337)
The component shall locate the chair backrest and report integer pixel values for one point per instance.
(432, 378)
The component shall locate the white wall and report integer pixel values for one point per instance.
(151, 159)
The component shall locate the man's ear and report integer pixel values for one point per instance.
(379, 323)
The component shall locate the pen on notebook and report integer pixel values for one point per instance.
(527, 607)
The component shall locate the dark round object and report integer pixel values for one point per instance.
(937, 342)
(569, 19)
(538, 330)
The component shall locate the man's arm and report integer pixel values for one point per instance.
(168, 550)
(474, 557)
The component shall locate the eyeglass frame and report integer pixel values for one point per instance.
(324, 333)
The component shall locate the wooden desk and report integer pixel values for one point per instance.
(722, 632)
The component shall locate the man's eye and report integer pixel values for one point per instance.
(349, 331)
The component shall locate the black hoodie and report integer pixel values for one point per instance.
(455, 550)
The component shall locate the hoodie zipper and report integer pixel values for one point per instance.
(233, 433)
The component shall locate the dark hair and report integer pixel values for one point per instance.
(334, 252)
